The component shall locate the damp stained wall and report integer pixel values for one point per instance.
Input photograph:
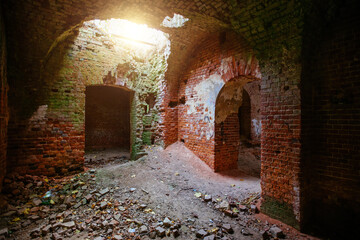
(215, 63)
(52, 138)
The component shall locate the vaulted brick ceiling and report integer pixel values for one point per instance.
(44, 21)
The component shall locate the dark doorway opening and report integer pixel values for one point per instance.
(249, 130)
(244, 115)
(107, 118)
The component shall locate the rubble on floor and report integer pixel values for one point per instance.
(131, 200)
(62, 208)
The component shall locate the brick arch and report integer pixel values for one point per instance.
(241, 67)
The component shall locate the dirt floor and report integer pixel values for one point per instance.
(168, 194)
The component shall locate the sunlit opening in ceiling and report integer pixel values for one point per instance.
(174, 22)
(136, 36)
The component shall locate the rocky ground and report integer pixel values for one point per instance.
(168, 194)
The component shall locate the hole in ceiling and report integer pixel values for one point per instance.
(133, 35)
(174, 22)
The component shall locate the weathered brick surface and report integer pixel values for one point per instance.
(219, 58)
(273, 29)
(81, 57)
(4, 115)
(45, 146)
(227, 139)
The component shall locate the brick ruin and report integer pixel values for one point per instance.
(280, 74)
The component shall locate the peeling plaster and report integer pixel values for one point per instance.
(230, 99)
(204, 96)
(205, 93)
(257, 126)
(225, 65)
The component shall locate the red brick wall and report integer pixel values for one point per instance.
(219, 58)
(333, 120)
(53, 133)
(227, 140)
(45, 146)
(169, 113)
(4, 116)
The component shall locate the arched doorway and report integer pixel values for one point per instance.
(107, 117)
(237, 119)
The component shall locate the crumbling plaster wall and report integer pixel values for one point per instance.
(274, 30)
(52, 140)
(219, 58)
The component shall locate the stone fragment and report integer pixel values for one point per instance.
(254, 209)
(201, 233)
(37, 201)
(142, 206)
(103, 205)
(152, 235)
(230, 213)
(88, 197)
(77, 205)
(56, 236)
(70, 224)
(227, 228)
(117, 237)
(104, 191)
(207, 198)
(99, 238)
(34, 217)
(167, 222)
(242, 208)
(26, 223)
(176, 233)
(9, 214)
(276, 232)
(82, 226)
(114, 223)
(211, 237)
(143, 229)
(35, 233)
(3, 231)
(105, 223)
(245, 232)
(160, 231)
(117, 217)
(45, 230)
(224, 205)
